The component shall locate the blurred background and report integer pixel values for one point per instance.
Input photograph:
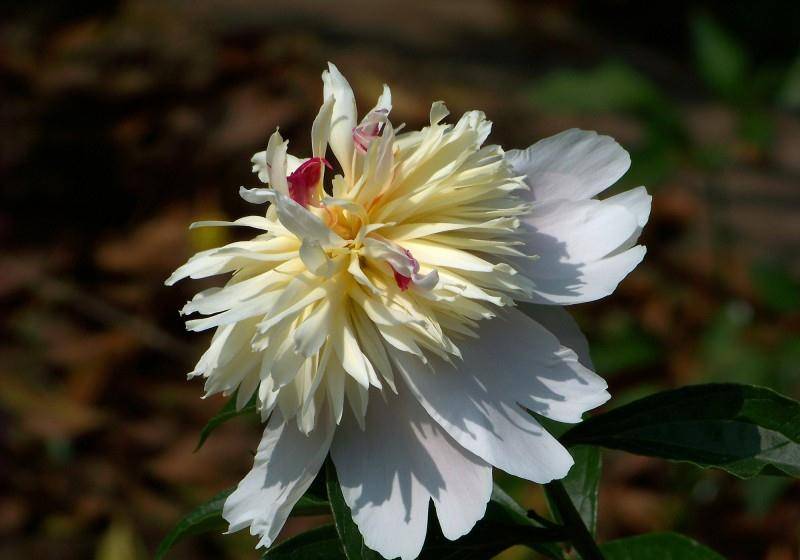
(122, 122)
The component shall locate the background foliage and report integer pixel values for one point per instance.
(124, 121)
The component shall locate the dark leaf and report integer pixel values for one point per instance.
(505, 524)
(208, 517)
(739, 428)
(311, 505)
(347, 530)
(486, 540)
(205, 518)
(318, 544)
(503, 509)
(657, 546)
(582, 483)
(226, 413)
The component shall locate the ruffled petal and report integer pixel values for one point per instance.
(514, 361)
(285, 465)
(388, 486)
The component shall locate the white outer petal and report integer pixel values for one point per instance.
(475, 401)
(391, 469)
(583, 231)
(560, 323)
(495, 429)
(583, 248)
(574, 164)
(638, 202)
(552, 381)
(514, 360)
(285, 465)
(596, 280)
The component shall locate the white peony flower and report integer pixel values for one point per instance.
(373, 315)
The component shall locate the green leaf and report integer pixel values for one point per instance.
(582, 483)
(317, 544)
(208, 517)
(486, 540)
(657, 546)
(205, 518)
(311, 505)
(503, 509)
(350, 537)
(576, 531)
(721, 59)
(739, 428)
(226, 413)
(505, 524)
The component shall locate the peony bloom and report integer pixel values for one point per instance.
(373, 313)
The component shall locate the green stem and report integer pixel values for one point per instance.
(578, 533)
(543, 521)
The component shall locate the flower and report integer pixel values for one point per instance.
(374, 316)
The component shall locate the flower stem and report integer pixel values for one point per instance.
(578, 533)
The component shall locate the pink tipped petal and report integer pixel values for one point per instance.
(403, 282)
(369, 129)
(303, 182)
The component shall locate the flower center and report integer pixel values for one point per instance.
(342, 222)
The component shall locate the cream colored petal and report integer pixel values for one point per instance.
(321, 129)
(276, 162)
(438, 112)
(343, 119)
